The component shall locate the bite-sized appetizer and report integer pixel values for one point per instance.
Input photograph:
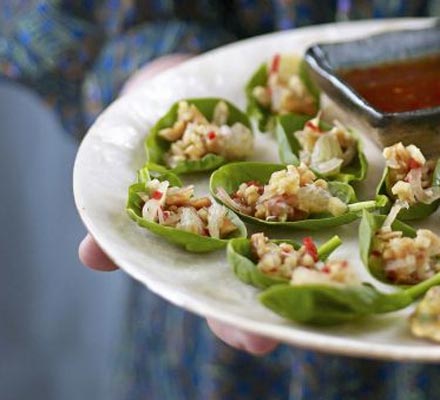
(407, 260)
(289, 195)
(425, 321)
(262, 262)
(315, 290)
(200, 135)
(160, 204)
(280, 87)
(299, 266)
(332, 151)
(410, 181)
(396, 253)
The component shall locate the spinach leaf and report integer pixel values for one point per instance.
(331, 305)
(368, 227)
(190, 241)
(229, 177)
(157, 147)
(416, 211)
(241, 260)
(289, 148)
(265, 119)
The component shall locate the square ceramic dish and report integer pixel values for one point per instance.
(420, 127)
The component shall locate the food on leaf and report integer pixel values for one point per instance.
(262, 262)
(404, 259)
(289, 196)
(332, 151)
(425, 320)
(160, 204)
(411, 181)
(280, 87)
(200, 135)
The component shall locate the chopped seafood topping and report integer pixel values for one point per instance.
(407, 260)
(301, 266)
(326, 152)
(193, 136)
(410, 175)
(291, 194)
(285, 92)
(425, 321)
(178, 208)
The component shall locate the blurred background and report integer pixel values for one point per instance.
(60, 323)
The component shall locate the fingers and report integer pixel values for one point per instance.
(93, 257)
(241, 340)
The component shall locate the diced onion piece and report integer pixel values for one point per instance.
(326, 148)
(395, 209)
(288, 66)
(190, 221)
(151, 207)
(426, 196)
(221, 114)
(226, 199)
(216, 215)
(329, 167)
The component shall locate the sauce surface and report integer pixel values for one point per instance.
(400, 86)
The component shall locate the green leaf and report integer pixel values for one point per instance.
(289, 148)
(265, 119)
(230, 176)
(330, 305)
(240, 259)
(368, 227)
(416, 211)
(255, 111)
(157, 147)
(190, 241)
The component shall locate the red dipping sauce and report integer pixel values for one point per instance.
(400, 86)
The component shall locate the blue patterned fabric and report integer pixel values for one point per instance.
(77, 55)
(171, 354)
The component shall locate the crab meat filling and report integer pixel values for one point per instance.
(291, 194)
(425, 321)
(326, 151)
(192, 136)
(410, 175)
(178, 208)
(300, 266)
(407, 260)
(284, 91)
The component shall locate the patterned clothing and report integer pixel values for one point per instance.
(77, 55)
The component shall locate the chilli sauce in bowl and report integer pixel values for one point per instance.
(400, 86)
(387, 84)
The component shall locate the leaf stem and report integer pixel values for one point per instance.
(329, 247)
(362, 205)
(421, 288)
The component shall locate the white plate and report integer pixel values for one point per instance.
(113, 150)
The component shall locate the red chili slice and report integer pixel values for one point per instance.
(413, 164)
(326, 270)
(157, 195)
(311, 248)
(312, 126)
(212, 135)
(275, 67)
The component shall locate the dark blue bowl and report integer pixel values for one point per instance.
(420, 127)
